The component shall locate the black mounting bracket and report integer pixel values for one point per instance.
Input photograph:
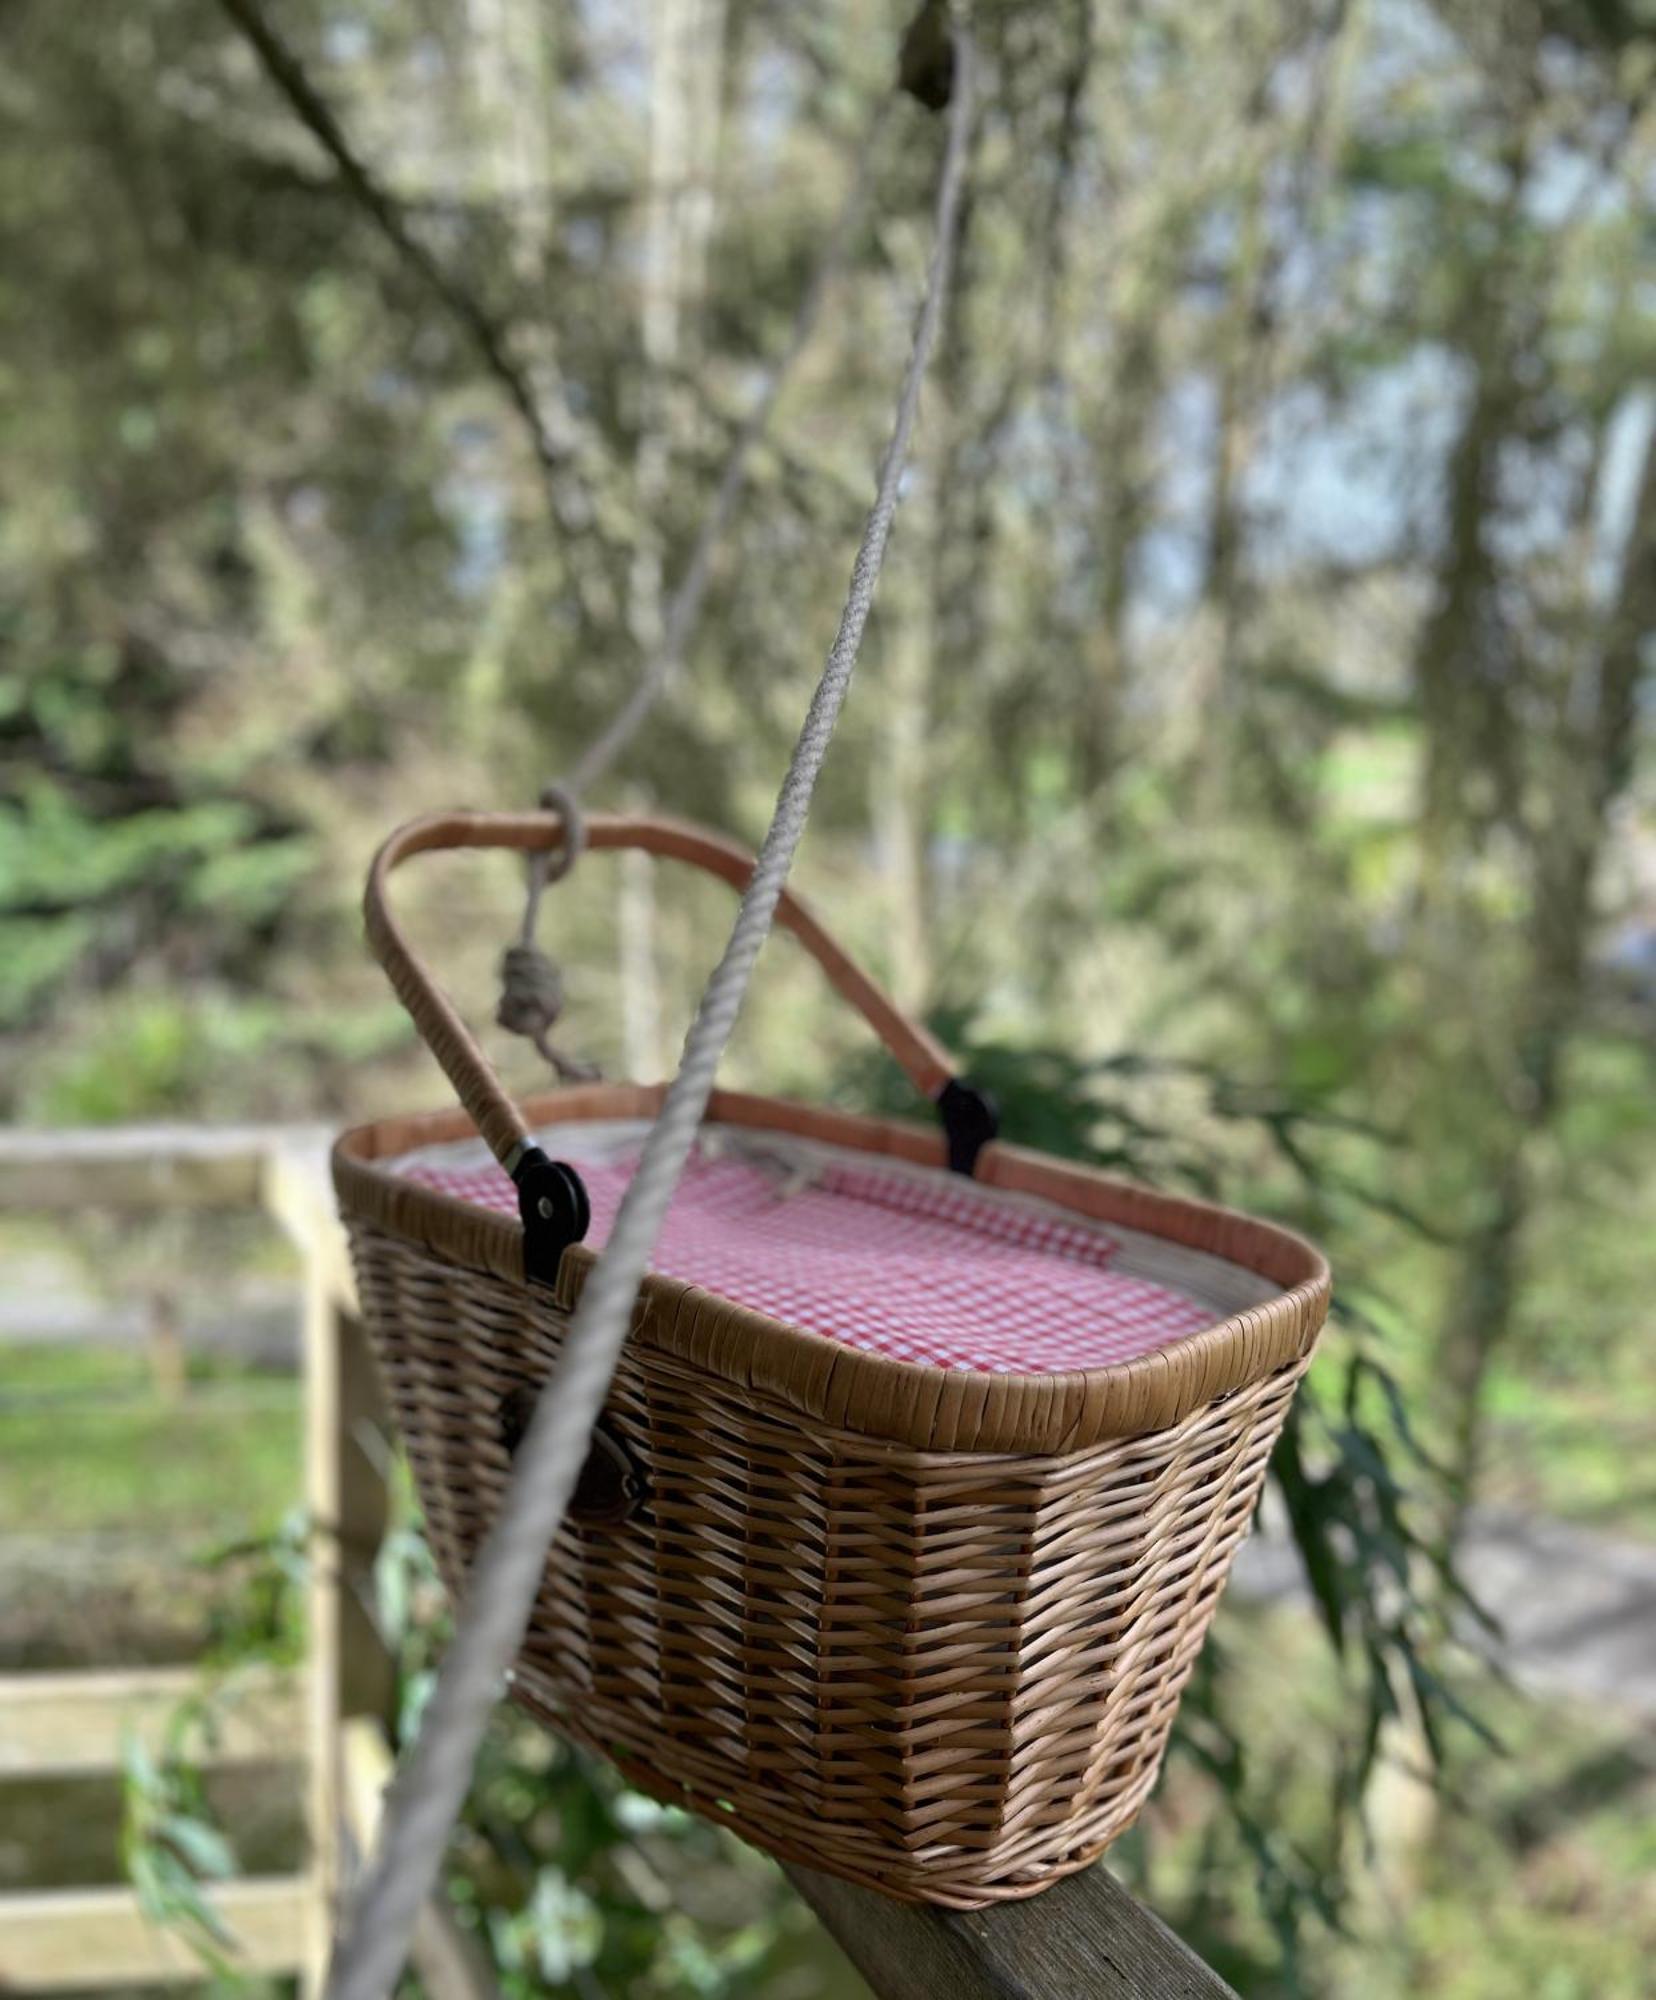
(552, 1200)
(611, 1486)
(971, 1118)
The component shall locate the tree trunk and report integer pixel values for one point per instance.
(902, 805)
(1592, 771)
(168, 1359)
(686, 68)
(1460, 663)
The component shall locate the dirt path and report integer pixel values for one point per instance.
(1577, 1609)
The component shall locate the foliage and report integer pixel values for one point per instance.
(172, 1846)
(171, 1849)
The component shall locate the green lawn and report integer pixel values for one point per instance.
(88, 1444)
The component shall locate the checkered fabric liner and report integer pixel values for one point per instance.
(922, 1268)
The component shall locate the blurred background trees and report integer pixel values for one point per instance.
(1251, 745)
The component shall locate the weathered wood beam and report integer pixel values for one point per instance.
(138, 1166)
(351, 1671)
(55, 1939)
(295, 1189)
(70, 1724)
(1083, 1939)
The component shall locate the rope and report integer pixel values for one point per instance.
(431, 1788)
(531, 985)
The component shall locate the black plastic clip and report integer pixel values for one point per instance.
(971, 1118)
(610, 1488)
(552, 1200)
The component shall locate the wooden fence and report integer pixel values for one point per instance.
(1085, 1939)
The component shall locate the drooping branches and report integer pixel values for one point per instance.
(562, 455)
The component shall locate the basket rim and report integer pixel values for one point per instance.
(904, 1402)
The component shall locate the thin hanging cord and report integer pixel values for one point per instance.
(429, 1792)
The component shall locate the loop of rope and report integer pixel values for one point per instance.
(552, 865)
(531, 999)
(430, 1789)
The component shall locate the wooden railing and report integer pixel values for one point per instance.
(1085, 1939)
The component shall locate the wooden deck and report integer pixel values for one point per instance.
(1085, 1939)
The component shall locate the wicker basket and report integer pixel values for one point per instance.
(923, 1627)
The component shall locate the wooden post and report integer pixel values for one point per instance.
(168, 1359)
(350, 1670)
(322, 1499)
(449, 1960)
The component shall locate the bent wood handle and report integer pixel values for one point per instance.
(922, 1057)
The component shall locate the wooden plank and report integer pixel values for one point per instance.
(349, 1448)
(65, 1724)
(347, 1451)
(1083, 1939)
(63, 1938)
(325, 1614)
(449, 1961)
(296, 1189)
(137, 1166)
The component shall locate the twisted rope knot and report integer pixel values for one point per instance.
(531, 999)
(531, 991)
(531, 986)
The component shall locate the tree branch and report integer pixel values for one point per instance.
(547, 423)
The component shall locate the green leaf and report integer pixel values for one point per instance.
(202, 1846)
(1309, 1523)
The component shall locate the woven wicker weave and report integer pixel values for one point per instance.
(924, 1628)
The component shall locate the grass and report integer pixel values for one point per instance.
(31, 1373)
(1579, 1452)
(89, 1445)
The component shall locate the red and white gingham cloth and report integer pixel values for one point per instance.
(917, 1268)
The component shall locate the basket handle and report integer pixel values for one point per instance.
(969, 1117)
